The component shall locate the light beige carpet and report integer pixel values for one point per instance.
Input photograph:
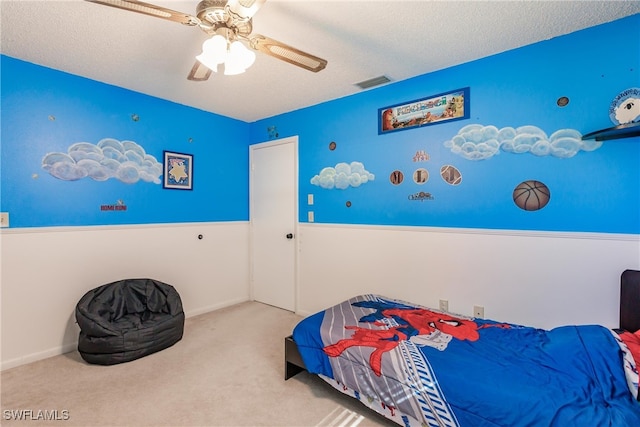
(228, 370)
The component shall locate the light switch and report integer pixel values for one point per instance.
(310, 216)
(309, 199)
(4, 219)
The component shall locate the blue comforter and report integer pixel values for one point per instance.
(444, 370)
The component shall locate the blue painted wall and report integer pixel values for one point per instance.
(46, 111)
(593, 188)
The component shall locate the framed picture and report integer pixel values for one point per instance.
(178, 171)
(435, 109)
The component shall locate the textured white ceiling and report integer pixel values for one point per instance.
(360, 39)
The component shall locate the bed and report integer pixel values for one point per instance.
(424, 367)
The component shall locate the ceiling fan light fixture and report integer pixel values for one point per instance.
(208, 62)
(235, 56)
(239, 53)
(214, 52)
(231, 69)
(226, 22)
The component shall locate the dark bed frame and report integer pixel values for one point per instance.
(630, 300)
(629, 321)
(293, 363)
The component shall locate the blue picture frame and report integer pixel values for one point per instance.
(178, 171)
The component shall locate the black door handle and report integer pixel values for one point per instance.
(289, 236)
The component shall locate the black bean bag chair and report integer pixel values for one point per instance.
(127, 320)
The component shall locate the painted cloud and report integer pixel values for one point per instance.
(478, 142)
(342, 176)
(109, 158)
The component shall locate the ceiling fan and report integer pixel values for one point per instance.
(231, 22)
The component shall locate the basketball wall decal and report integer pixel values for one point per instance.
(531, 195)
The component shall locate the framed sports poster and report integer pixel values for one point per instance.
(435, 109)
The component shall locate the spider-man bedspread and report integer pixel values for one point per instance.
(422, 367)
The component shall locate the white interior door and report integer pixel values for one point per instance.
(274, 210)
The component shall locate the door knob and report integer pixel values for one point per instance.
(289, 236)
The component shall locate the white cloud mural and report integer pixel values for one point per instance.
(125, 161)
(343, 176)
(478, 142)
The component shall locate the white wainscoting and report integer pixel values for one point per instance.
(540, 279)
(46, 271)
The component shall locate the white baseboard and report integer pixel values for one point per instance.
(34, 357)
(203, 310)
(69, 347)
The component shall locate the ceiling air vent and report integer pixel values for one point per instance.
(376, 81)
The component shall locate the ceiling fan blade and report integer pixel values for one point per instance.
(151, 10)
(287, 53)
(199, 72)
(245, 9)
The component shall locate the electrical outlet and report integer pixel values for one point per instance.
(4, 219)
(444, 305)
(478, 311)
